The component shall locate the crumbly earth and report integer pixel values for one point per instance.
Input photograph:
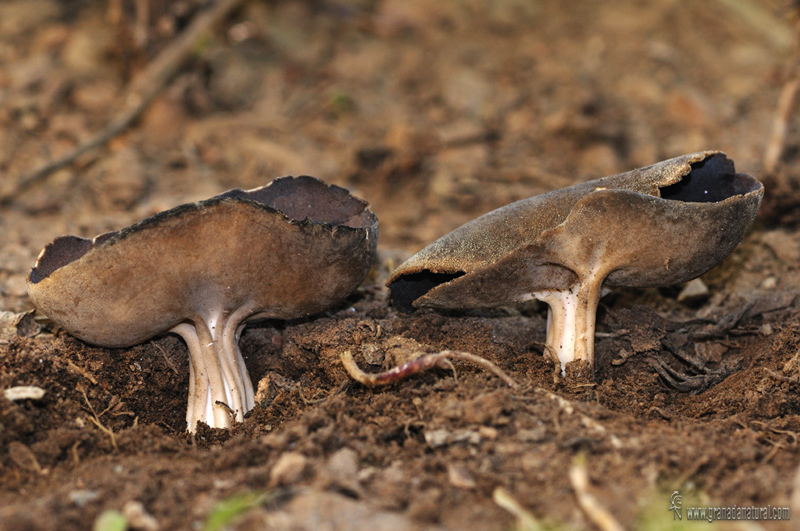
(435, 112)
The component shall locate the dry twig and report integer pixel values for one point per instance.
(142, 90)
(420, 364)
(525, 519)
(599, 515)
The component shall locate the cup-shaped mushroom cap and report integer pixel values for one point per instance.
(654, 226)
(289, 249)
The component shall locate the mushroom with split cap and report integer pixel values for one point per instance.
(290, 249)
(655, 226)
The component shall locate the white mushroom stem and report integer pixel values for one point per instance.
(571, 320)
(219, 386)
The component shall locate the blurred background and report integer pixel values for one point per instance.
(435, 112)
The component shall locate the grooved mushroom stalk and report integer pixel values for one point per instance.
(217, 372)
(656, 226)
(570, 321)
(203, 270)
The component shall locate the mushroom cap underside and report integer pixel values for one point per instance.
(205, 259)
(631, 238)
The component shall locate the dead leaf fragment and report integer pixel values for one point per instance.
(23, 392)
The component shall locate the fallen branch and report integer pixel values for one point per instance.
(422, 363)
(140, 93)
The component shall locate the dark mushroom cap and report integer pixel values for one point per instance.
(289, 249)
(654, 226)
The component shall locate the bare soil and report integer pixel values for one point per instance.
(435, 112)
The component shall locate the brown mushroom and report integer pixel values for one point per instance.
(656, 226)
(289, 249)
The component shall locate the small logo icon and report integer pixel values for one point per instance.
(675, 505)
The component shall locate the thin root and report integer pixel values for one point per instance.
(420, 364)
(96, 421)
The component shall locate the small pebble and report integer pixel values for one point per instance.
(288, 469)
(532, 436)
(693, 290)
(81, 497)
(437, 438)
(459, 476)
(487, 432)
(373, 354)
(344, 462)
(138, 517)
(769, 283)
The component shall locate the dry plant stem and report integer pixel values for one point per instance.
(780, 124)
(599, 515)
(762, 19)
(417, 365)
(525, 519)
(217, 372)
(142, 90)
(571, 320)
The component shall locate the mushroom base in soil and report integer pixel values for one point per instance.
(660, 225)
(217, 372)
(570, 322)
(290, 249)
